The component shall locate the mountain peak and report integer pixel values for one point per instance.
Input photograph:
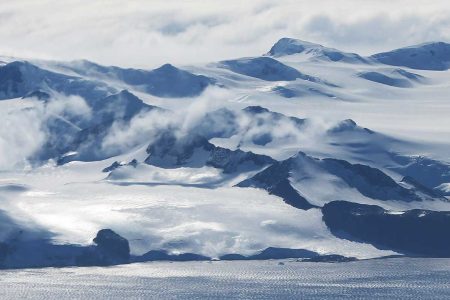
(126, 93)
(167, 68)
(290, 46)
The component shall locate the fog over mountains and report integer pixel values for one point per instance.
(302, 150)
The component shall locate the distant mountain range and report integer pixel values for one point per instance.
(428, 56)
(136, 127)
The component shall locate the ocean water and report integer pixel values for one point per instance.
(400, 278)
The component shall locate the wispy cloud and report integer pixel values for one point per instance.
(150, 33)
(24, 129)
(145, 127)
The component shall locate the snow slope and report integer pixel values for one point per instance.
(429, 56)
(162, 156)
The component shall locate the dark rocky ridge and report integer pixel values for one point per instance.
(171, 152)
(112, 249)
(370, 182)
(415, 232)
(275, 180)
(26, 251)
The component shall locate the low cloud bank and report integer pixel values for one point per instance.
(149, 34)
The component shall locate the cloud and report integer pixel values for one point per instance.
(208, 116)
(71, 105)
(212, 99)
(148, 34)
(379, 32)
(25, 130)
(145, 127)
(21, 135)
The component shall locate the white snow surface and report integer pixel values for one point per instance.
(198, 209)
(73, 202)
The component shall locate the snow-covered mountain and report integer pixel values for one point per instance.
(289, 46)
(306, 150)
(429, 56)
(265, 68)
(312, 182)
(166, 81)
(22, 78)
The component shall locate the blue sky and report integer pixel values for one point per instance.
(150, 33)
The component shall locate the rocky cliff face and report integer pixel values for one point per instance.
(414, 232)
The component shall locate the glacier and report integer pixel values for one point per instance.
(247, 158)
